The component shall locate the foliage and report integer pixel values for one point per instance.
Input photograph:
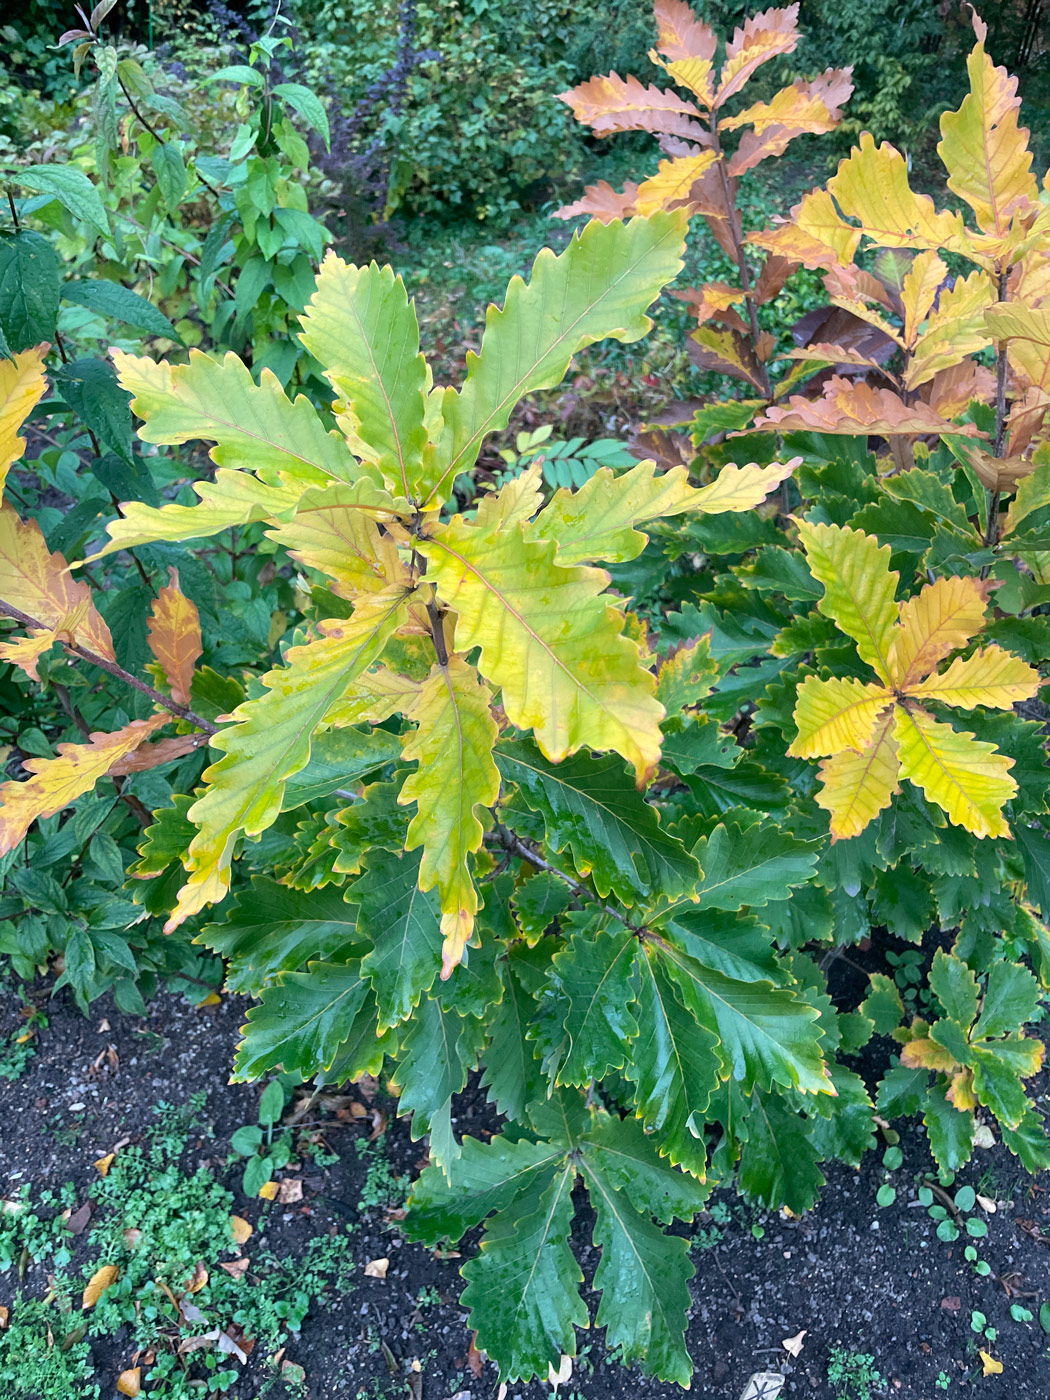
(481, 804)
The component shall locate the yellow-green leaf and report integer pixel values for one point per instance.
(270, 741)
(334, 530)
(255, 427)
(39, 583)
(362, 327)
(938, 620)
(456, 776)
(598, 288)
(858, 587)
(549, 640)
(969, 779)
(872, 187)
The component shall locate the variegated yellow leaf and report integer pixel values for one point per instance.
(269, 741)
(670, 187)
(737, 489)
(378, 693)
(872, 187)
(924, 1053)
(938, 620)
(1026, 329)
(334, 530)
(255, 427)
(22, 385)
(969, 779)
(456, 776)
(58, 782)
(856, 787)
(549, 639)
(799, 106)
(836, 714)
(859, 587)
(696, 74)
(991, 677)
(515, 502)
(985, 151)
(956, 329)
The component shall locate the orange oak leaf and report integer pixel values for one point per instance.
(858, 409)
(602, 202)
(609, 103)
(175, 637)
(681, 34)
(760, 38)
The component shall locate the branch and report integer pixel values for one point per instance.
(991, 534)
(516, 846)
(158, 137)
(737, 232)
(164, 701)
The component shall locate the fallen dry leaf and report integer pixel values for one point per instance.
(100, 1280)
(358, 1110)
(233, 1342)
(986, 1203)
(132, 1237)
(290, 1190)
(104, 1163)
(78, 1221)
(128, 1382)
(376, 1268)
(212, 999)
(5, 1317)
(951, 1304)
(200, 1278)
(189, 1312)
(475, 1358)
(793, 1345)
(293, 1373)
(237, 1268)
(268, 1190)
(991, 1366)
(561, 1375)
(241, 1230)
(206, 1339)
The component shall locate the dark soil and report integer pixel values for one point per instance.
(850, 1274)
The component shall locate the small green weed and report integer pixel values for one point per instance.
(43, 1354)
(853, 1374)
(382, 1187)
(19, 1050)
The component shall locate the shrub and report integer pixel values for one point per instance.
(499, 808)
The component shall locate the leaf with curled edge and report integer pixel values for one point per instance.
(859, 410)
(871, 186)
(39, 583)
(670, 188)
(270, 740)
(22, 383)
(610, 103)
(602, 202)
(58, 782)
(174, 637)
(680, 34)
(760, 38)
(456, 778)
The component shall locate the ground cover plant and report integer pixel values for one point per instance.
(586, 782)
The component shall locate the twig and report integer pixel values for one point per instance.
(158, 137)
(104, 664)
(513, 843)
(991, 534)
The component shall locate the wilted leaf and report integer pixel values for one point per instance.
(376, 1268)
(104, 1163)
(240, 1229)
(129, 1382)
(793, 1345)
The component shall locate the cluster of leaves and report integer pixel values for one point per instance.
(586, 797)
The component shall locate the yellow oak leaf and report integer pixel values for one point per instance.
(919, 289)
(39, 584)
(268, 1190)
(856, 787)
(129, 1382)
(240, 1229)
(969, 779)
(334, 530)
(22, 385)
(696, 74)
(956, 329)
(991, 677)
(1026, 329)
(760, 38)
(58, 782)
(670, 187)
(871, 186)
(939, 619)
(456, 777)
(836, 714)
(175, 637)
